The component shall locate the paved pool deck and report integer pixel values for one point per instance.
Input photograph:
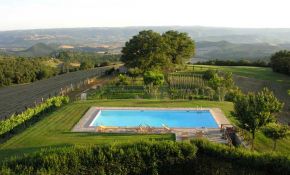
(84, 124)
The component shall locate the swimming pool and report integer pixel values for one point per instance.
(155, 118)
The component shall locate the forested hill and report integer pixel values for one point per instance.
(36, 50)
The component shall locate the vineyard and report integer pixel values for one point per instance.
(15, 99)
(186, 81)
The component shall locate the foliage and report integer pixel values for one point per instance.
(256, 110)
(280, 62)
(146, 51)
(240, 158)
(122, 80)
(181, 46)
(257, 63)
(149, 50)
(209, 74)
(152, 81)
(86, 65)
(17, 70)
(163, 157)
(134, 72)
(137, 158)
(15, 120)
(276, 132)
(153, 77)
(73, 56)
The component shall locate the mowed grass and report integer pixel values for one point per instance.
(262, 73)
(55, 129)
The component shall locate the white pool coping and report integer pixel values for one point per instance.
(85, 123)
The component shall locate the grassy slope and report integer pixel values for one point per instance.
(262, 73)
(262, 143)
(54, 130)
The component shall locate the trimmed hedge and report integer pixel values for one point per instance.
(16, 120)
(243, 159)
(138, 158)
(163, 157)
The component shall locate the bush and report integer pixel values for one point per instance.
(162, 157)
(138, 158)
(16, 120)
(269, 163)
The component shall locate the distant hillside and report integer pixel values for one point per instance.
(36, 50)
(227, 50)
(211, 42)
(116, 37)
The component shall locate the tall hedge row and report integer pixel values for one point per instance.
(16, 120)
(138, 158)
(163, 157)
(241, 159)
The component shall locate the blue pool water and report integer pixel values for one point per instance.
(155, 118)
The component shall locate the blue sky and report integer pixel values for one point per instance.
(27, 14)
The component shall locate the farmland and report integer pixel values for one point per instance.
(254, 79)
(17, 98)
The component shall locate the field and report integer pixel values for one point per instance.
(16, 98)
(254, 79)
(54, 129)
(261, 73)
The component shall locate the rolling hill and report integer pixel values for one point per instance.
(37, 50)
(211, 42)
(227, 50)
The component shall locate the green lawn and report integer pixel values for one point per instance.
(54, 129)
(262, 73)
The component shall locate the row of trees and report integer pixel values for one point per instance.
(20, 70)
(280, 62)
(162, 157)
(257, 63)
(150, 50)
(16, 120)
(87, 59)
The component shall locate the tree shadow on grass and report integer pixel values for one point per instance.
(89, 134)
(9, 153)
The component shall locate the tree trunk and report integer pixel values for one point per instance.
(275, 144)
(253, 139)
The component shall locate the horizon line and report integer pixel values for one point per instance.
(116, 27)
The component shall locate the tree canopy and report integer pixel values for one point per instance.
(181, 46)
(280, 62)
(276, 132)
(149, 50)
(255, 111)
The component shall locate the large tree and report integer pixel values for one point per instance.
(255, 111)
(280, 62)
(149, 50)
(146, 51)
(181, 46)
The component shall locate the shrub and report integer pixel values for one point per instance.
(138, 158)
(16, 120)
(271, 163)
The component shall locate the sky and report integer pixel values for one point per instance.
(34, 14)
